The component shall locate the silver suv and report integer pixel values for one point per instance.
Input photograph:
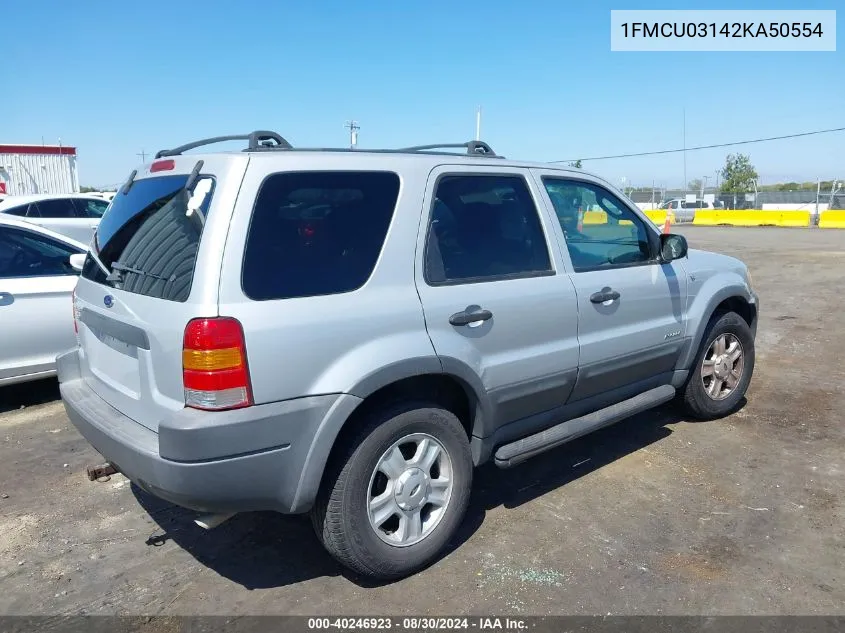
(348, 333)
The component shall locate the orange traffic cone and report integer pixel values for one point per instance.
(667, 225)
(580, 219)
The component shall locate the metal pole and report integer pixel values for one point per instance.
(353, 133)
(685, 152)
(818, 193)
(478, 124)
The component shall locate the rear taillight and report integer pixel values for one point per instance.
(214, 368)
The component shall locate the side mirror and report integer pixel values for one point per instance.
(77, 261)
(672, 246)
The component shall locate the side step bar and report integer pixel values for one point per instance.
(519, 451)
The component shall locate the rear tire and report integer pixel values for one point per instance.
(722, 370)
(392, 501)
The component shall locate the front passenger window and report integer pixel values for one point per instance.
(27, 254)
(600, 231)
(86, 208)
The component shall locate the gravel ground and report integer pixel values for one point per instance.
(656, 515)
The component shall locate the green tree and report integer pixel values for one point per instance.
(87, 189)
(695, 185)
(576, 164)
(738, 174)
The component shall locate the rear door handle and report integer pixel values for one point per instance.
(605, 294)
(465, 318)
(6, 299)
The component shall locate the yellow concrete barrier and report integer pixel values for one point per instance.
(595, 217)
(751, 217)
(794, 218)
(600, 217)
(658, 216)
(706, 217)
(832, 219)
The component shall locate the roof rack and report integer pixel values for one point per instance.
(258, 140)
(473, 148)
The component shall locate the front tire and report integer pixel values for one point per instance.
(722, 369)
(398, 493)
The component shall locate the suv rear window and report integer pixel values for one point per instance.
(149, 237)
(317, 233)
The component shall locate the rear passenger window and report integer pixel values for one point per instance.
(484, 228)
(58, 208)
(317, 233)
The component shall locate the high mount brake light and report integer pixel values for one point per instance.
(163, 165)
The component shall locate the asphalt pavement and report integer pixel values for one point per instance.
(656, 515)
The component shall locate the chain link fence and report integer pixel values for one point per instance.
(684, 207)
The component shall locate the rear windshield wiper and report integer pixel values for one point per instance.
(129, 269)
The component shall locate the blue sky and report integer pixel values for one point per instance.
(117, 78)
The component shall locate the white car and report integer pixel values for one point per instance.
(73, 215)
(685, 211)
(37, 279)
(105, 195)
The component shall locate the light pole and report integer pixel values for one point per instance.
(353, 132)
(685, 153)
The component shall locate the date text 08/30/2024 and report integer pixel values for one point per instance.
(417, 624)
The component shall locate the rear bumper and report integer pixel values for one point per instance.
(265, 457)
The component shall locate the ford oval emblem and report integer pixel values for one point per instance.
(108, 300)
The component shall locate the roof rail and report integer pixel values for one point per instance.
(257, 140)
(473, 148)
